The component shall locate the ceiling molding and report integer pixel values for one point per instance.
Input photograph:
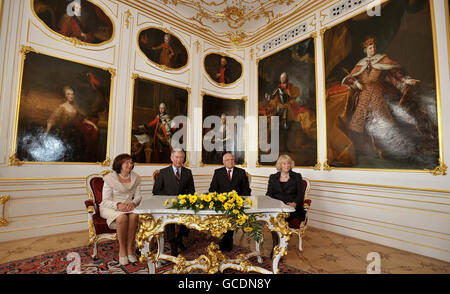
(229, 23)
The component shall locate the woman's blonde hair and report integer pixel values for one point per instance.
(283, 158)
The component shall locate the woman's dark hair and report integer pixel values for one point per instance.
(119, 160)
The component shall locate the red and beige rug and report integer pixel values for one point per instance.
(107, 260)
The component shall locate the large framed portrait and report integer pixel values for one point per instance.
(381, 89)
(159, 121)
(79, 19)
(287, 102)
(223, 129)
(63, 111)
(163, 48)
(222, 69)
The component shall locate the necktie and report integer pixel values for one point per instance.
(229, 175)
(178, 175)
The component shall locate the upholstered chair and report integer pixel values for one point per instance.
(98, 228)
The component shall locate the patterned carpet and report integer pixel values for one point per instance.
(107, 260)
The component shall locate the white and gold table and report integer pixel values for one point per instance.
(153, 216)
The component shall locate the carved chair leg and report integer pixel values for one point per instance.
(300, 243)
(94, 251)
(161, 247)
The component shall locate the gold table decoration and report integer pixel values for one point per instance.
(153, 216)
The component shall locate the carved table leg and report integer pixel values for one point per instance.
(278, 224)
(258, 251)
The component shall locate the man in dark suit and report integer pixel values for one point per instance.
(227, 179)
(175, 180)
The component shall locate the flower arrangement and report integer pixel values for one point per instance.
(231, 204)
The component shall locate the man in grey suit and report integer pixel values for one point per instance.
(175, 180)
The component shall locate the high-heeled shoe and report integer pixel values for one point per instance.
(123, 260)
(132, 258)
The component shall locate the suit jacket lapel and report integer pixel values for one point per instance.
(233, 176)
(277, 180)
(173, 177)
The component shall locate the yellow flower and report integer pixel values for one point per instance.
(181, 197)
(193, 198)
(222, 198)
(182, 201)
(239, 200)
(211, 205)
(235, 211)
(240, 221)
(174, 200)
(227, 206)
(167, 202)
(201, 206)
(248, 229)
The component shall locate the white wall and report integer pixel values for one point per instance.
(406, 210)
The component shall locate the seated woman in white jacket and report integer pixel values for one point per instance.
(121, 194)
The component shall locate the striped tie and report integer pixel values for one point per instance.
(178, 175)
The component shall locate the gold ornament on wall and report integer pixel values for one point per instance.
(14, 161)
(440, 170)
(236, 37)
(127, 19)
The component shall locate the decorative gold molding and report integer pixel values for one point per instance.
(112, 71)
(440, 170)
(326, 167)
(106, 162)
(236, 37)
(236, 14)
(217, 225)
(3, 200)
(323, 30)
(197, 46)
(127, 18)
(323, 17)
(313, 22)
(14, 161)
(317, 166)
(24, 50)
(105, 172)
(74, 41)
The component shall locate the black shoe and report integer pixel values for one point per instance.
(173, 248)
(226, 245)
(180, 243)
